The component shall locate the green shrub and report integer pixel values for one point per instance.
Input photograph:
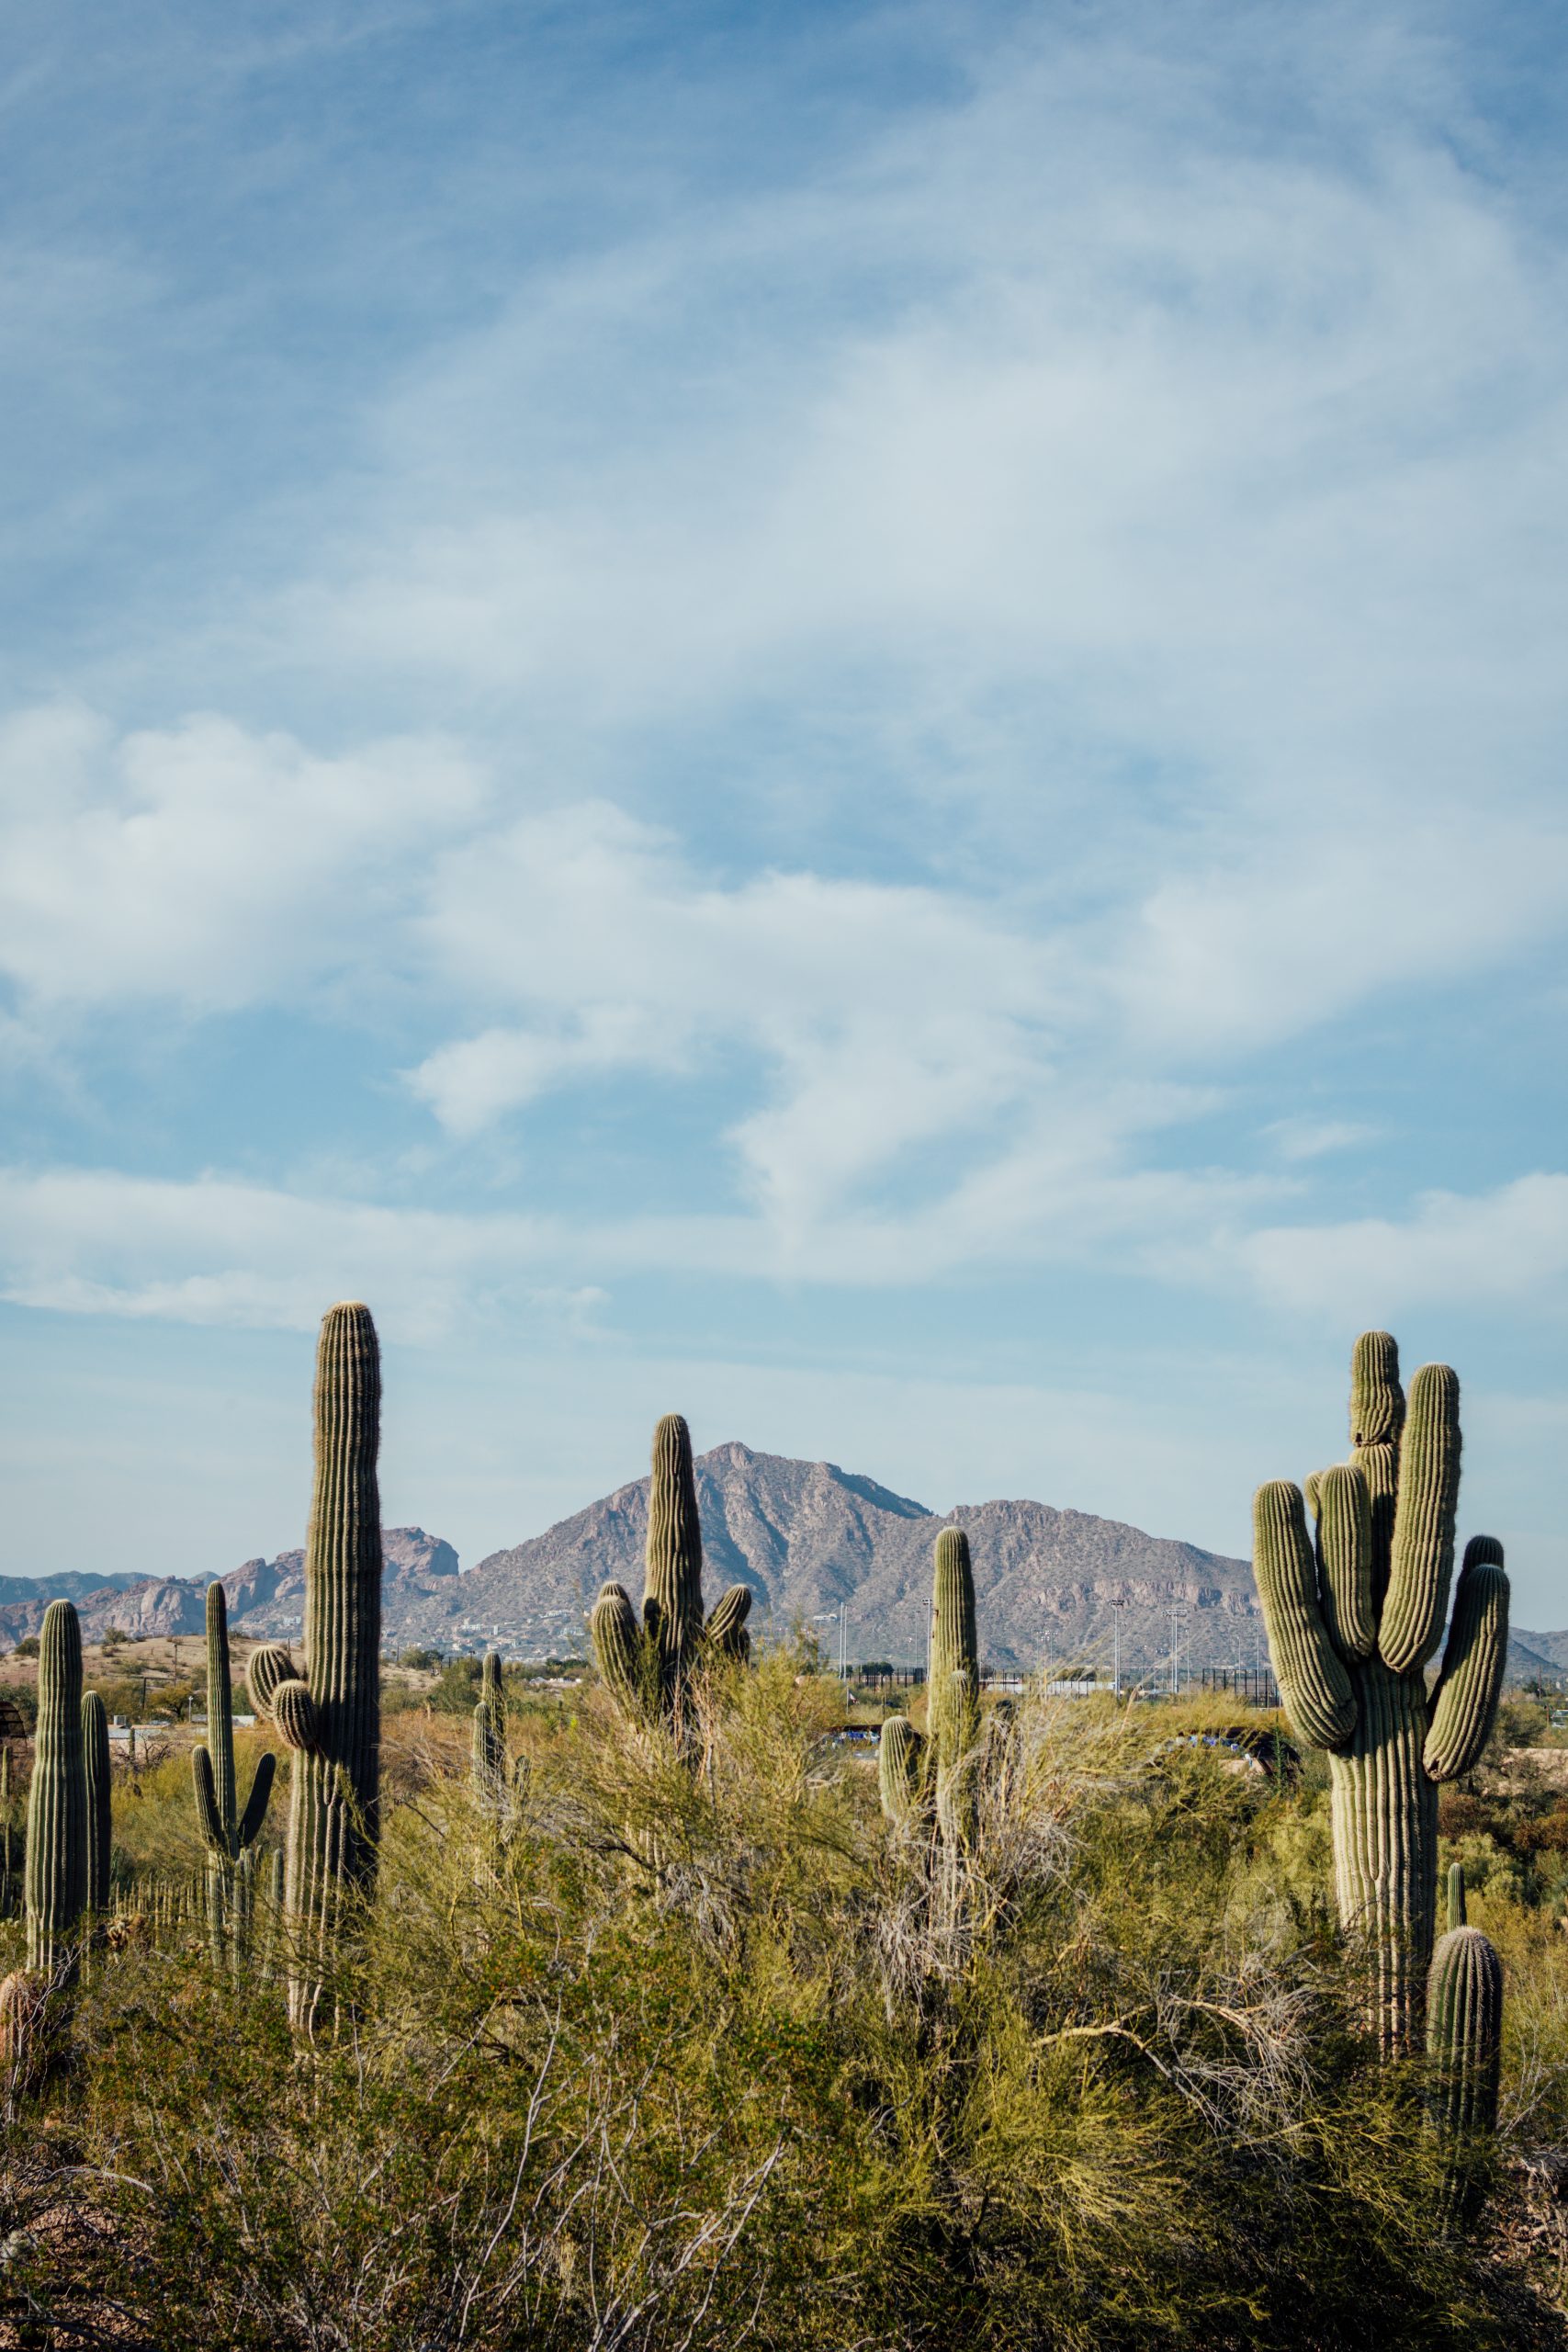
(702, 2059)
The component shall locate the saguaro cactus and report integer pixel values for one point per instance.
(1352, 1623)
(1464, 2046)
(648, 1667)
(901, 1772)
(489, 1753)
(330, 1717)
(95, 1768)
(55, 1869)
(230, 1834)
(955, 1657)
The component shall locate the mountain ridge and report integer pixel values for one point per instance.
(808, 1539)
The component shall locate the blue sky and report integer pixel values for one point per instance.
(850, 719)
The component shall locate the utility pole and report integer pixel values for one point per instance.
(1116, 1608)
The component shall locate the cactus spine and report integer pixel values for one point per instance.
(96, 1767)
(647, 1668)
(56, 1863)
(230, 1834)
(330, 1717)
(1464, 2045)
(1352, 1623)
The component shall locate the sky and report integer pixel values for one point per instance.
(850, 719)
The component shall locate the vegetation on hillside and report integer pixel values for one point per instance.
(709, 2056)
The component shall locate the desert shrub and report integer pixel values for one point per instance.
(701, 2058)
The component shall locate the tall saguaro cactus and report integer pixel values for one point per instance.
(955, 1657)
(230, 1834)
(648, 1667)
(330, 1717)
(55, 1869)
(1353, 1622)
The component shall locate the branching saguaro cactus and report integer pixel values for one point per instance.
(1464, 2050)
(1352, 1623)
(330, 1717)
(100, 1826)
(230, 1834)
(647, 1668)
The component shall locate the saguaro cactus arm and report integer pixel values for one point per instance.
(900, 1770)
(1344, 1511)
(268, 1666)
(726, 1627)
(95, 1766)
(1464, 1703)
(256, 1803)
(294, 1713)
(1421, 1563)
(1312, 1681)
(617, 1645)
(207, 1808)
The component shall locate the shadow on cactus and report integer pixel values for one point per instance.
(648, 1667)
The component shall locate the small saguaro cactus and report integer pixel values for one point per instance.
(1464, 2046)
(1352, 1622)
(901, 1772)
(489, 1755)
(96, 1767)
(55, 1869)
(647, 1668)
(230, 1834)
(330, 1716)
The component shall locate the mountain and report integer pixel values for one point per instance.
(265, 1596)
(1549, 1651)
(268, 1596)
(809, 1538)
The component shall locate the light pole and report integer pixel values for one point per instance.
(1116, 1608)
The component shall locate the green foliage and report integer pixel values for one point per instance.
(1353, 1621)
(701, 2060)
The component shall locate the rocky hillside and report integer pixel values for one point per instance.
(808, 1538)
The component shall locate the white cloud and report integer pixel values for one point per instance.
(204, 864)
(1305, 1138)
(93, 1241)
(881, 1016)
(1504, 1247)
